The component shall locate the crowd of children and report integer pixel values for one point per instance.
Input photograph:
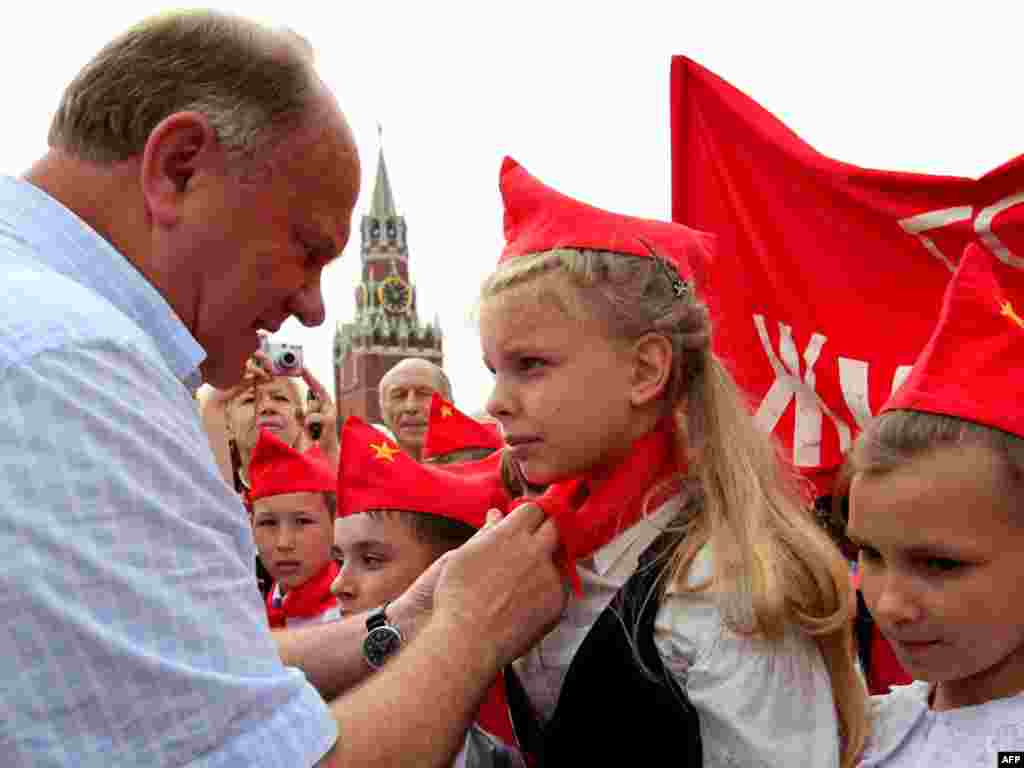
(712, 616)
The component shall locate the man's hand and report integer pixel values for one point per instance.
(502, 585)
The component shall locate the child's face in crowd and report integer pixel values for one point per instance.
(561, 387)
(379, 557)
(941, 557)
(293, 536)
(273, 406)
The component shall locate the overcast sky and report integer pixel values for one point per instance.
(578, 93)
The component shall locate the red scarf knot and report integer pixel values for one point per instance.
(305, 601)
(615, 503)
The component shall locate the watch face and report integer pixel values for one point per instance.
(394, 294)
(380, 643)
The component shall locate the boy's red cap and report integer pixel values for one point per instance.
(487, 471)
(277, 468)
(376, 474)
(969, 366)
(449, 429)
(538, 218)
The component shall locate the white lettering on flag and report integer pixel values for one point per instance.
(900, 376)
(853, 381)
(922, 222)
(983, 226)
(789, 385)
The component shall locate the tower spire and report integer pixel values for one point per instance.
(383, 206)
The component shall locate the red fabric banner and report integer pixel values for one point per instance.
(827, 277)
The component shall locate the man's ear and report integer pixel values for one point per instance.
(652, 366)
(181, 145)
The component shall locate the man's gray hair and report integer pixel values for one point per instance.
(251, 82)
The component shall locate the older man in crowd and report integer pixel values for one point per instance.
(200, 177)
(405, 392)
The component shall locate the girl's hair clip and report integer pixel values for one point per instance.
(679, 286)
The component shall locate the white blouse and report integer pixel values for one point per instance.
(758, 704)
(906, 732)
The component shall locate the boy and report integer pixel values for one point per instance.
(395, 517)
(293, 505)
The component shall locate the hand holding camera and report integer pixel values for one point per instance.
(282, 359)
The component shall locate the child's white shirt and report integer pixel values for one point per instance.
(757, 704)
(906, 732)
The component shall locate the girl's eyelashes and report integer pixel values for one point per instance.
(942, 564)
(933, 563)
(531, 363)
(870, 554)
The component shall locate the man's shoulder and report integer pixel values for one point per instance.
(45, 310)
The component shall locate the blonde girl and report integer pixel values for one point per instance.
(607, 390)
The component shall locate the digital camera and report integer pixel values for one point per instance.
(285, 359)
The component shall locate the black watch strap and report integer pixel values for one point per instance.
(382, 638)
(378, 616)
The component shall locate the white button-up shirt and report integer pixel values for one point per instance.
(131, 628)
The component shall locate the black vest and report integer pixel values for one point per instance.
(608, 705)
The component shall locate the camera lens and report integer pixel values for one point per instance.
(289, 360)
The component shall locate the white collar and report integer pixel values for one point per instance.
(636, 538)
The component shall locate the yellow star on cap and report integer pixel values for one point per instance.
(384, 451)
(1007, 311)
(446, 411)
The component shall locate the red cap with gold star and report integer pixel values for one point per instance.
(969, 365)
(376, 474)
(277, 468)
(449, 429)
(538, 218)
(486, 470)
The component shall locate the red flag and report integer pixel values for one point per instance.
(828, 277)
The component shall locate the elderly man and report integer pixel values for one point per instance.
(200, 177)
(405, 393)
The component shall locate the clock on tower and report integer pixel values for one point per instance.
(394, 294)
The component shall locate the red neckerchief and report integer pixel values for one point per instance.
(614, 503)
(493, 715)
(305, 601)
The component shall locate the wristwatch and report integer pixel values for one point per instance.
(382, 638)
